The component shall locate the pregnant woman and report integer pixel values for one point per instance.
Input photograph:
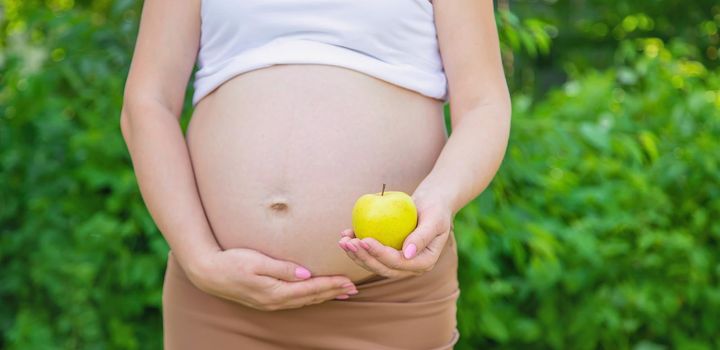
(300, 107)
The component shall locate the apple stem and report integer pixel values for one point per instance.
(383, 190)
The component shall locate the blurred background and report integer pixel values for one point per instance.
(600, 230)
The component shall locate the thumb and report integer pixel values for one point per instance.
(419, 238)
(283, 270)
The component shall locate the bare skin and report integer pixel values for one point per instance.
(280, 161)
(252, 201)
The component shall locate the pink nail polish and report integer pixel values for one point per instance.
(410, 251)
(353, 247)
(353, 292)
(365, 245)
(302, 273)
(342, 297)
(348, 285)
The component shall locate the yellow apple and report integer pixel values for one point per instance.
(388, 217)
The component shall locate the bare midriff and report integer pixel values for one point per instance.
(281, 153)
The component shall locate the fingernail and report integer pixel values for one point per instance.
(348, 285)
(365, 245)
(410, 251)
(352, 247)
(353, 292)
(302, 273)
(341, 245)
(341, 297)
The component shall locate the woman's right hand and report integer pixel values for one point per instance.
(256, 280)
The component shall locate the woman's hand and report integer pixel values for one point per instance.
(421, 248)
(253, 279)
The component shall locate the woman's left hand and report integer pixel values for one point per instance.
(421, 248)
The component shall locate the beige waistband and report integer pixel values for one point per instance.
(416, 312)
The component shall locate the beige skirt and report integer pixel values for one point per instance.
(417, 312)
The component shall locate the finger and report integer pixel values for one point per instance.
(350, 250)
(372, 264)
(282, 270)
(313, 286)
(423, 262)
(393, 258)
(274, 294)
(434, 248)
(426, 231)
(348, 232)
(338, 293)
(345, 246)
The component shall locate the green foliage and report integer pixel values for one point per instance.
(530, 35)
(586, 33)
(600, 230)
(81, 259)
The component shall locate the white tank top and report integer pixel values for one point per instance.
(393, 40)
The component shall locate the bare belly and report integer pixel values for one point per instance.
(281, 153)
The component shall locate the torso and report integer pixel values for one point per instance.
(281, 153)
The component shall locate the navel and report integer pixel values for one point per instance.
(279, 206)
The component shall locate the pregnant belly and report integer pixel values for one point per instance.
(281, 153)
